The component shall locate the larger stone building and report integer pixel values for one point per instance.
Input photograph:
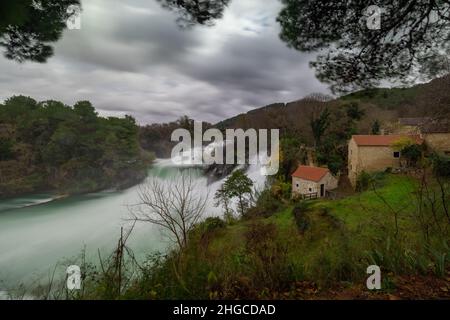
(435, 132)
(372, 153)
(436, 136)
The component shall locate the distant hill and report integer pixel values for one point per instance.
(383, 104)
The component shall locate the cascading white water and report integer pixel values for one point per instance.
(37, 233)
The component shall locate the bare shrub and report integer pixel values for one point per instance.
(174, 204)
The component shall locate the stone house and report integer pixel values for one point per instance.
(312, 182)
(436, 133)
(437, 136)
(372, 153)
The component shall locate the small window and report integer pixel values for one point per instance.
(297, 185)
(310, 189)
(396, 154)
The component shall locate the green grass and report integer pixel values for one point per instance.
(283, 219)
(341, 234)
(255, 257)
(397, 192)
(353, 211)
(230, 238)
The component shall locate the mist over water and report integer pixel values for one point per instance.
(37, 233)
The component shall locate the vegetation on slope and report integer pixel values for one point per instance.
(302, 250)
(51, 146)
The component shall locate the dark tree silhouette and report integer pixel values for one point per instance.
(413, 36)
(27, 27)
(376, 127)
(320, 124)
(193, 12)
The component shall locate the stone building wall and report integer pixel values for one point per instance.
(302, 186)
(369, 159)
(438, 141)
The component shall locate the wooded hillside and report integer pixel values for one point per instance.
(49, 146)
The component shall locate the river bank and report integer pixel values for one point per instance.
(125, 179)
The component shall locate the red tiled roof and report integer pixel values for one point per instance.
(381, 140)
(310, 173)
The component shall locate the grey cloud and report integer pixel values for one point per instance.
(131, 58)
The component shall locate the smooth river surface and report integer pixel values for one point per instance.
(36, 234)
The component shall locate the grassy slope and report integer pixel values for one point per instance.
(343, 238)
(277, 257)
(357, 213)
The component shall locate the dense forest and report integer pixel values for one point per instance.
(156, 137)
(68, 149)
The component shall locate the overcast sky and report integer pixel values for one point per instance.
(130, 57)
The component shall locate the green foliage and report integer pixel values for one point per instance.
(376, 127)
(354, 112)
(412, 153)
(332, 152)
(268, 265)
(72, 149)
(156, 137)
(408, 149)
(281, 190)
(222, 198)
(290, 156)
(350, 59)
(6, 149)
(399, 256)
(363, 181)
(85, 111)
(267, 204)
(335, 163)
(212, 223)
(385, 98)
(300, 215)
(320, 124)
(441, 165)
(402, 143)
(27, 30)
(239, 186)
(267, 257)
(332, 149)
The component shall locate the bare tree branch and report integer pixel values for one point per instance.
(173, 204)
